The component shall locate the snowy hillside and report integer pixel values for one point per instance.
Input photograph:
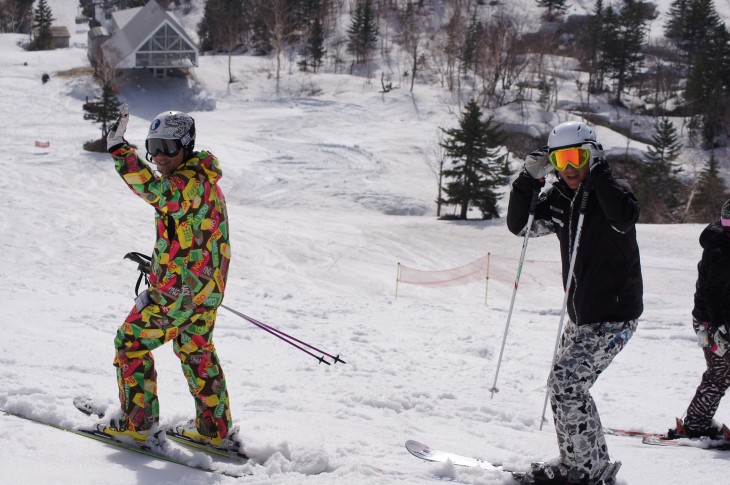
(326, 195)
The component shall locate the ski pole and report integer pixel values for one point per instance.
(530, 219)
(568, 284)
(144, 262)
(336, 358)
(287, 338)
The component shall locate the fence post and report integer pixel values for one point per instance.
(486, 285)
(397, 279)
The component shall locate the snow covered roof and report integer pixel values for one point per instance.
(148, 37)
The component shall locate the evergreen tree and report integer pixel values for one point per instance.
(42, 21)
(624, 36)
(363, 31)
(471, 44)
(674, 28)
(310, 15)
(707, 91)
(592, 41)
(477, 168)
(555, 8)
(104, 110)
(700, 34)
(660, 192)
(225, 24)
(711, 193)
(665, 147)
(316, 43)
(206, 29)
(688, 25)
(87, 8)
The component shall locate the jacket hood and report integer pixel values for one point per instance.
(207, 162)
(715, 236)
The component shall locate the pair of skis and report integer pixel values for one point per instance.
(91, 408)
(661, 439)
(164, 451)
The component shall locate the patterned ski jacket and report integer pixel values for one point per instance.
(192, 250)
(607, 285)
(712, 293)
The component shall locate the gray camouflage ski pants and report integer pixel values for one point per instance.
(585, 351)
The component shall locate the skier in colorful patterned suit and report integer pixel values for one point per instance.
(605, 298)
(187, 281)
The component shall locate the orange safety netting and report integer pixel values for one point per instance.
(474, 271)
(538, 273)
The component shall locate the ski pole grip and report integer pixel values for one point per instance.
(142, 260)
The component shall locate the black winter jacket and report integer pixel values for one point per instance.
(712, 294)
(607, 284)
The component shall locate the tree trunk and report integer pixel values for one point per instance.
(415, 64)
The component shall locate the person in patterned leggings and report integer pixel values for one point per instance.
(187, 281)
(606, 287)
(711, 323)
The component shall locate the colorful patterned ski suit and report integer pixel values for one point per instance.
(187, 281)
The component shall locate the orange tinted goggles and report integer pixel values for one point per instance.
(576, 157)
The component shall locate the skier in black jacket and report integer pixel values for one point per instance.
(711, 322)
(605, 297)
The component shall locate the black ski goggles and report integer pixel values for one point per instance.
(169, 148)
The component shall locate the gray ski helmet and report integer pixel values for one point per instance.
(174, 125)
(571, 134)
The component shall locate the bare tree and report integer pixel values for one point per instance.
(15, 15)
(500, 62)
(436, 156)
(410, 36)
(278, 18)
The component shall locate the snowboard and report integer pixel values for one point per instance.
(425, 452)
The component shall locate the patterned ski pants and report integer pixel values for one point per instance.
(585, 351)
(191, 334)
(715, 381)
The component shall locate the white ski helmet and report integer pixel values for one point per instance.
(173, 125)
(571, 134)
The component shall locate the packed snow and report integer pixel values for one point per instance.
(327, 193)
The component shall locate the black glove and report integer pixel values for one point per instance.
(115, 137)
(597, 167)
(537, 165)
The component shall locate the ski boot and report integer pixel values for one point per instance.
(231, 444)
(680, 431)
